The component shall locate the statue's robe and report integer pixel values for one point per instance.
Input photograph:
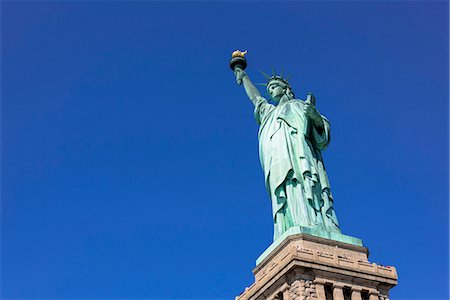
(290, 153)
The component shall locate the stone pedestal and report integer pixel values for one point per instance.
(305, 267)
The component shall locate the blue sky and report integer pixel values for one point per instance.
(129, 155)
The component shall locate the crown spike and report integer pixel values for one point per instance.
(264, 74)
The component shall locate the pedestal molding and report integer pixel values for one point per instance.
(318, 263)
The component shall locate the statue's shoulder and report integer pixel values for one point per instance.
(297, 102)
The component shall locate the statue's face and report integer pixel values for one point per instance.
(276, 91)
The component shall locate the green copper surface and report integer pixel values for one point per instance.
(292, 134)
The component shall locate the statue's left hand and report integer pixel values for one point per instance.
(312, 113)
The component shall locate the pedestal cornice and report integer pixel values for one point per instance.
(318, 260)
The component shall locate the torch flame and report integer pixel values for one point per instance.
(238, 53)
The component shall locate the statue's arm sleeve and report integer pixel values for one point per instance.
(262, 109)
(321, 136)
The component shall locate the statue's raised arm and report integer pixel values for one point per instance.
(250, 89)
(238, 63)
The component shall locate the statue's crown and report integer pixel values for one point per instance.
(281, 79)
(277, 78)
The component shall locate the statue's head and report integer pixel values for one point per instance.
(278, 87)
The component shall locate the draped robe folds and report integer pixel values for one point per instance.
(290, 153)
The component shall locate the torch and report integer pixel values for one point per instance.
(238, 60)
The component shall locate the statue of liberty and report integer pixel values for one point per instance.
(291, 136)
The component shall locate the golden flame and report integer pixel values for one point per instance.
(238, 53)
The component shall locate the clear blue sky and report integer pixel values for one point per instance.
(129, 155)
